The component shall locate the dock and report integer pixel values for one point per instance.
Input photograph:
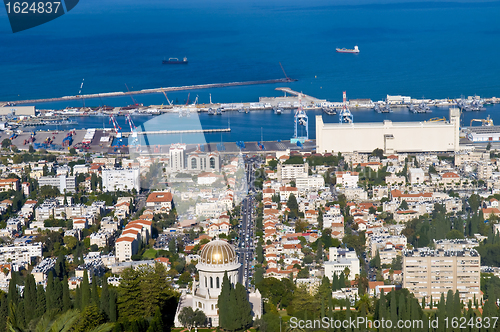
(149, 91)
(191, 131)
(306, 98)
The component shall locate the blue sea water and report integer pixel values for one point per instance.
(432, 49)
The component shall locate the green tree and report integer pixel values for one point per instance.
(186, 317)
(85, 291)
(223, 301)
(403, 205)
(29, 298)
(244, 309)
(6, 143)
(40, 301)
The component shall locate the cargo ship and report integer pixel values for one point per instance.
(347, 50)
(175, 61)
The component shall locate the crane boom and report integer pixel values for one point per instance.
(287, 78)
(133, 100)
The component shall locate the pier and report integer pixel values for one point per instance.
(305, 97)
(148, 91)
(191, 131)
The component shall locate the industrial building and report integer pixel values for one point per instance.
(429, 273)
(17, 110)
(483, 134)
(392, 137)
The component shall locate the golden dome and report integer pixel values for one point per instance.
(218, 252)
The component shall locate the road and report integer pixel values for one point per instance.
(246, 233)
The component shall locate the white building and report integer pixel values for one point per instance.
(390, 136)
(287, 172)
(416, 175)
(19, 253)
(311, 182)
(63, 183)
(216, 258)
(177, 154)
(340, 259)
(126, 247)
(121, 179)
(347, 179)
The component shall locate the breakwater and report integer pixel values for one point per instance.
(148, 91)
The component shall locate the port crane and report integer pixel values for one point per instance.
(133, 100)
(345, 116)
(300, 119)
(133, 131)
(286, 76)
(485, 122)
(117, 128)
(169, 102)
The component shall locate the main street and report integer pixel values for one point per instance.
(246, 246)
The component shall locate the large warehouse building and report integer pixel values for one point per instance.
(18, 110)
(390, 136)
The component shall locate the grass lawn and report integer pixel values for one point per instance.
(149, 254)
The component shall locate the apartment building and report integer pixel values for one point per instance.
(63, 183)
(122, 179)
(429, 273)
(339, 259)
(288, 172)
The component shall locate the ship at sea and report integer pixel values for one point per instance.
(347, 50)
(175, 61)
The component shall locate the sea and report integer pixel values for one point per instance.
(422, 49)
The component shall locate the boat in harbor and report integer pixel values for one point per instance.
(175, 61)
(219, 111)
(423, 108)
(329, 110)
(377, 109)
(211, 111)
(347, 50)
(386, 108)
(412, 108)
(477, 105)
(278, 110)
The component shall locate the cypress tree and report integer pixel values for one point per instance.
(381, 307)
(49, 291)
(29, 298)
(458, 305)
(112, 306)
(66, 299)
(60, 266)
(20, 319)
(431, 303)
(95, 292)
(105, 297)
(78, 298)
(223, 302)
(450, 304)
(41, 303)
(85, 290)
(342, 281)
(441, 312)
(57, 299)
(402, 306)
(233, 320)
(244, 307)
(4, 312)
(393, 307)
(335, 282)
(13, 294)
